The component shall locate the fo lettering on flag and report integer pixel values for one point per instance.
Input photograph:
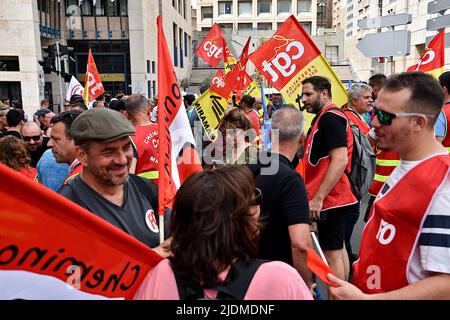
(178, 158)
(93, 86)
(53, 249)
(289, 57)
(211, 49)
(433, 59)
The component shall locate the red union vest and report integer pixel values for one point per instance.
(76, 171)
(146, 144)
(446, 141)
(357, 121)
(385, 163)
(341, 195)
(390, 236)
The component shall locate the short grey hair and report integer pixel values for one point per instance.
(357, 90)
(289, 122)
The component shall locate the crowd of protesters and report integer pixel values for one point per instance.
(241, 229)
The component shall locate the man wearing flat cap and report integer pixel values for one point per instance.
(44, 117)
(103, 147)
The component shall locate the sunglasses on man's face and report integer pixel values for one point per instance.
(385, 117)
(35, 138)
(257, 201)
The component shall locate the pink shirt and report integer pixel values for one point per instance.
(272, 281)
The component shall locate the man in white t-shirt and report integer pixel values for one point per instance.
(405, 247)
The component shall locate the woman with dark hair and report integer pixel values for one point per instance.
(215, 233)
(237, 135)
(14, 154)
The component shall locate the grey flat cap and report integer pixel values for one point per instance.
(101, 124)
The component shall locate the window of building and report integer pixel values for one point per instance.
(185, 44)
(245, 8)
(207, 12)
(303, 6)
(350, 8)
(264, 6)
(180, 7)
(148, 66)
(284, 6)
(350, 25)
(153, 67)
(86, 8)
(349, 34)
(206, 29)
(100, 8)
(332, 54)
(123, 7)
(279, 24)
(9, 63)
(112, 8)
(154, 88)
(180, 38)
(226, 27)
(175, 48)
(245, 26)
(307, 26)
(225, 7)
(264, 26)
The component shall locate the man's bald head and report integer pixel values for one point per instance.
(32, 135)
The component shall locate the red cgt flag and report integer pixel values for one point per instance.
(212, 47)
(178, 158)
(51, 248)
(233, 77)
(433, 59)
(93, 86)
(319, 267)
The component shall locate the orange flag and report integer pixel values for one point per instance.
(433, 59)
(93, 86)
(318, 267)
(211, 49)
(178, 158)
(51, 248)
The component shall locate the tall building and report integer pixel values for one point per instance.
(347, 13)
(121, 33)
(263, 15)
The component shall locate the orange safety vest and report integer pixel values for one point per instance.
(386, 162)
(341, 195)
(390, 236)
(146, 144)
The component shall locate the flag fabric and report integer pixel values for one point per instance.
(211, 49)
(51, 248)
(178, 158)
(93, 86)
(218, 80)
(232, 77)
(229, 61)
(75, 87)
(319, 267)
(291, 56)
(210, 108)
(433, 59)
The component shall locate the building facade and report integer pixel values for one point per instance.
(347, 13)
(262, 15)
(122, 35)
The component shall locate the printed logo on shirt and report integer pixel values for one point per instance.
(150, 219)
(386, 233)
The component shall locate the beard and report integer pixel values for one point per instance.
(108, 176)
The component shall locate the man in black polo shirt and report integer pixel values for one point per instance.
(286, 234)
(103, 147)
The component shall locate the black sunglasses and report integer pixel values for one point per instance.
(257, 201)
(35, 138)
(385, 117)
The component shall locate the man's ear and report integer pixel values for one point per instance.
(81, 155)
(420, 122)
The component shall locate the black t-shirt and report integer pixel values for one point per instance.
(134, 216)
(36, 155)
(11, 133)
(285, 203)
(331, 134)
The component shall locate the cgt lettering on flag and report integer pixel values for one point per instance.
(211, 50)
(291, 56)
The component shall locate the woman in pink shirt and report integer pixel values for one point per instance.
(215, 227)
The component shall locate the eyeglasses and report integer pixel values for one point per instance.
(257, 201)
(35, 138)
(385, 117)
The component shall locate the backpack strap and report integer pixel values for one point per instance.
(238, 279)
(235, 286)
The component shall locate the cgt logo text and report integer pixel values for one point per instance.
(212, 50)
(282, 64)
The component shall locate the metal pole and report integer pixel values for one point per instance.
(58, 69)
